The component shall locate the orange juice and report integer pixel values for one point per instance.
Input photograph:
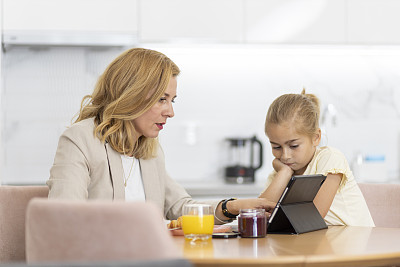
(198, 225)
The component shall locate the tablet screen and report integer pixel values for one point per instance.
(300, 188)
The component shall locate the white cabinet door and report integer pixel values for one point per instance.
(374, 21)
(70, 15)
(295, 21)
(194, 20)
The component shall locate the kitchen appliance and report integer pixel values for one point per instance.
(242, 153)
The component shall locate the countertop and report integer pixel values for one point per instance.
(220, 188)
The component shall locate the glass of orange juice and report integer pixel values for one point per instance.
(197, 221)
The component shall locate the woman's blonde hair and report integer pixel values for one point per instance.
(301, 110)
(129, 86)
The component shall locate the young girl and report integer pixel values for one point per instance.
(293, 130)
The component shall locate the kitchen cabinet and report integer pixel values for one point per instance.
(208, 21)
(191, 20)
(72, 15)
(270, 21)
(373, 21)
(295, 21)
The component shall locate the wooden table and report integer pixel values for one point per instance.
(335, 246)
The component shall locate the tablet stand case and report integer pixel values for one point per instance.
(294, 217)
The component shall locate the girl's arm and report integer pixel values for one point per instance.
(279, 183)
(324, 198)
(322, 201)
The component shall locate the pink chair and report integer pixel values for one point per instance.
(383, 201)
(83, 231)
(13, 204)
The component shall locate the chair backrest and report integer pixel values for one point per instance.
(383, 201)
(87, 231)
(13, 203)
(139, 263)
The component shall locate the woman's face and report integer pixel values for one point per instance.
(150, 123)
(293, 149)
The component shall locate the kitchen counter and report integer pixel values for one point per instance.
(220, 189)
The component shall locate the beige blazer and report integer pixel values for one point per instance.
(85, 168)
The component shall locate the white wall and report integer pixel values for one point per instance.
(226, 92)
(224, 89)
(43, 89)
(1, 84)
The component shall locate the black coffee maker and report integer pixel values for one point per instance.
(242, 156)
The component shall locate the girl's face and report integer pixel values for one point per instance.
(293, 149)
(150, 123)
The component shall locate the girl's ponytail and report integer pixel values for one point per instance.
(313, 99)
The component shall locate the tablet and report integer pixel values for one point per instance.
(298, 199)
(225, 235)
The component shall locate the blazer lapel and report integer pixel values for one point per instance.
(116, 172)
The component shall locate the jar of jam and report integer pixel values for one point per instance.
(252, 223)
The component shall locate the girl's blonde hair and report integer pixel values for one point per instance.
(301, 110)
(129, 86)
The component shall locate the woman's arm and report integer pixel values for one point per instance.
(323, 200)
(69, 175)
(235, 206)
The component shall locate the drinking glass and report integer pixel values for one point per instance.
(197, 221)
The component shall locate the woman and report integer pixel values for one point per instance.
(112, 150)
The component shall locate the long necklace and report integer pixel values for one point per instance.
(129, 175)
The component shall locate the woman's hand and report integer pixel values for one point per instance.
(235, 206)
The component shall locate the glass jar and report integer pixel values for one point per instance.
(252, 223)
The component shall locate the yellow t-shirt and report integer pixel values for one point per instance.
(348, 206)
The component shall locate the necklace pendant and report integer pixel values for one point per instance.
(129, 175)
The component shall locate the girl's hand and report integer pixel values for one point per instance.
(279, 166)
(283, 174)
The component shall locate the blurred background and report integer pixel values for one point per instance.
(236, 57)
